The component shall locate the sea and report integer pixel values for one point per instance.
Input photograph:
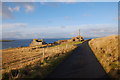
(26, 42)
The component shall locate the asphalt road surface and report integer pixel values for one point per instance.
(82, 63)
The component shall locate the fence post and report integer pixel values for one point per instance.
(56, 49)
(66, 46)
(43, 53)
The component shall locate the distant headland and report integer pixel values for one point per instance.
(6, 40)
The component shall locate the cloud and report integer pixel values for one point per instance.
(100, 32)
(5, 12)
(93, 30)
(13, 25)
(12, 34)
(13, 30)
(17, 8)
(87, 30)
(28, 7)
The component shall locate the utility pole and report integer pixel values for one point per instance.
(79, 32)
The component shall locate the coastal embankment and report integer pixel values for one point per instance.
(34, 61)
(106, 50)
(95, 58)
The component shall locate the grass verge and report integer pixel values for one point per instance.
(41, 68)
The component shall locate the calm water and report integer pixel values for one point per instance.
(26, 42)
(23, 43)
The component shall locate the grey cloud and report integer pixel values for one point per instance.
(17, 8)
(28, 6)
(5, 12)
(13, 25)
(30, 35)
(100, 32)
(11, 34)
(68, 31)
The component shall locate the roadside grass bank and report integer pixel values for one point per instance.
(106, 51)
(41, 62)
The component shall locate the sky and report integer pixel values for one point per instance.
(28, 20)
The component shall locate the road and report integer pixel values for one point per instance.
(82, 63)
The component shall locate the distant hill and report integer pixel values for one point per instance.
(6, 40)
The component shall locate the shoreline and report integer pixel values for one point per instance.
(21, 57)
(26, 42)
(6, 40)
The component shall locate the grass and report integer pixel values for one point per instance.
(0, 75)
(68, 44)
(42, 67)
(106, 51)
